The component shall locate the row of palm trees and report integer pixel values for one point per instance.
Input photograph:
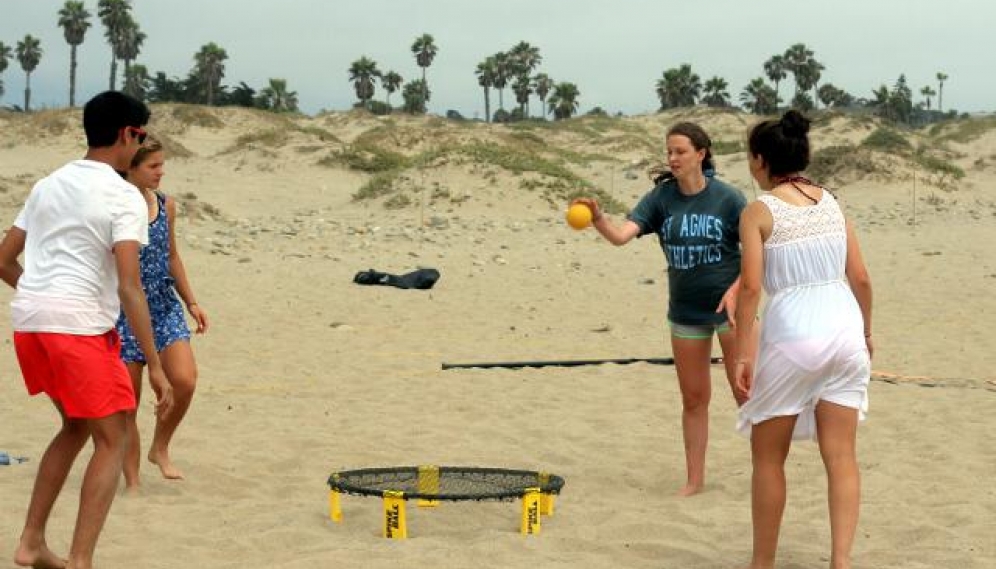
(514, 68)
(681, 87)
(364, 72)
(125, 39)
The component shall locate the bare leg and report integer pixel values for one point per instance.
(133, 450)
(692, 357)
(32, 551)
(836, 428)
(100, 482)
(770, 442)
(181, 370)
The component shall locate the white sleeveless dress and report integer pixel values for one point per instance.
(812, 332)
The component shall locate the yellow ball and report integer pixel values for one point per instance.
(579, 216)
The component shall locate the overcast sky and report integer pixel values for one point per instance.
(614, 50)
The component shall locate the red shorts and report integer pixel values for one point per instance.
(83, 374)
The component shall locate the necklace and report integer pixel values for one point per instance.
(793, 181)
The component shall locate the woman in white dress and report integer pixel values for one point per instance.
(811, 373)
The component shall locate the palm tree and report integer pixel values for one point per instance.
(425, 50)
(74, 20)
(808, 77)
(941, 78)
(391, 82)
(137, 81)
(5, 55)
(525, 58)
(564, 100)
(362, 73)
(716, 94)
(542, 84)
(210, 68)
(880, 102)
(522, 88)
(775, 69)
(759, 98)
(679, 87)
(416, 94)
(928, 92)
(29, 54)
(797, 58)
(277, 98)
(503, 71)
(129, 43)
(486, 79)
(115, 15)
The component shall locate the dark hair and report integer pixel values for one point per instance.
(107, 113)
(782, 143)
(700, 141)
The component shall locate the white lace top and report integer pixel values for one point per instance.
(807, 245)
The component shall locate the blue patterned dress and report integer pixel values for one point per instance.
(168, 322)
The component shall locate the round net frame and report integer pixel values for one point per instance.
(453, 483)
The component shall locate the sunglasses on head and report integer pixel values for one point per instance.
(138, 133)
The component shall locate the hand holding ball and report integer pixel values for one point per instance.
(579, 216)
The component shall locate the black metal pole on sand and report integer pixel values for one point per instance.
(564, 363)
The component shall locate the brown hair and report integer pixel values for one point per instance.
(700, 141)
(150, 146)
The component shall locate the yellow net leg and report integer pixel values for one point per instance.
(335, 511)
(546, 504)
(530, 512)
(395, 526)
(546, 499)
(428, 483)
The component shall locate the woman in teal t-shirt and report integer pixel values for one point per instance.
(696, 219)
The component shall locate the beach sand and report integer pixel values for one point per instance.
(304, 373)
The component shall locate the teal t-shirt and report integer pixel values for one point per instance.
(700, 236)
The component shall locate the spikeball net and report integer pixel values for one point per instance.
(432, 484)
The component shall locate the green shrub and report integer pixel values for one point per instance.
(263, 139)
(398, 201)
(196, 115)
(887, 140)
(366, 158)
(377, 186)
(724, 147)
(938, 165)
(831, 162)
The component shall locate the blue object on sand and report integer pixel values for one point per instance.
(6, 459)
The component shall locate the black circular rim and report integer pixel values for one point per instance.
(342, 482)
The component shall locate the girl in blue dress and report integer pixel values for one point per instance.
(165, 282)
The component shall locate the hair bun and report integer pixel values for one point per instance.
(794, 124)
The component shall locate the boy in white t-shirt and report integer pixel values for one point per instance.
(80, 231)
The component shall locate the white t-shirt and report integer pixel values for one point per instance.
(72, 219)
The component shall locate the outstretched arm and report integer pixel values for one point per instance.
(615, 234)
(179, 274)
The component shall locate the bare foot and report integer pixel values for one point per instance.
(165, 465)
(690, 490)
(38, 558)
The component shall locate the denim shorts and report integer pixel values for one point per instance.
(698, 331)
